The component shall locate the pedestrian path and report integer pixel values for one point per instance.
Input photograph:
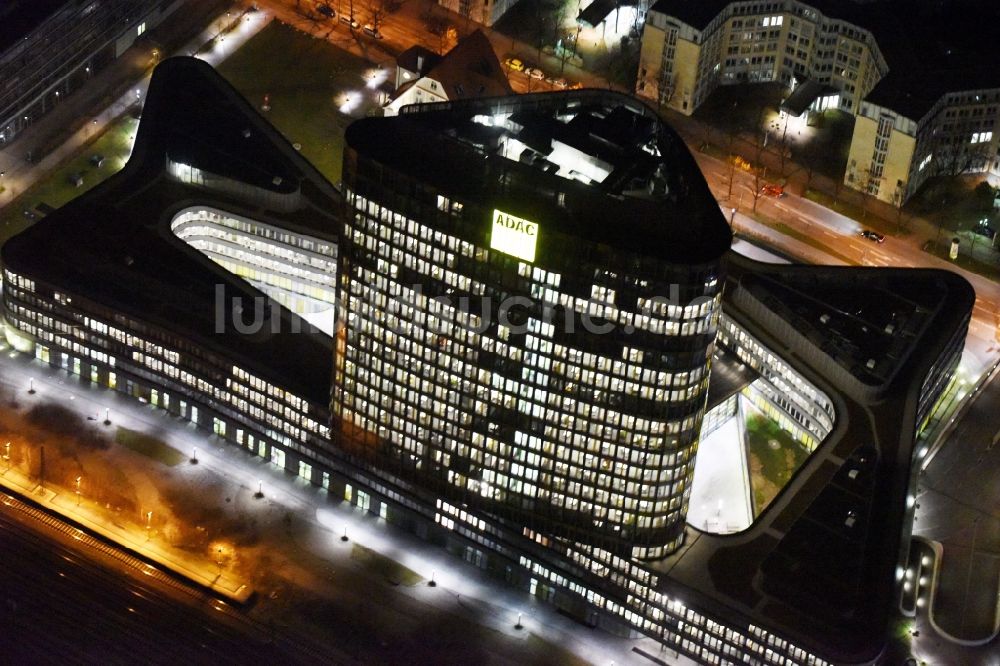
(460, 587)
(146, 545)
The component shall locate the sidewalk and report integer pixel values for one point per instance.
(461, 590)
(146, 544)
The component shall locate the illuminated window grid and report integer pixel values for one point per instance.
(398, 241)
(113, 346)
(266, 255)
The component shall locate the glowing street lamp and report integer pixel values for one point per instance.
(78, 479)
(149, 519)
(6, 454)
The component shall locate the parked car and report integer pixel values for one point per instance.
(30, 214)
(347, 20)
(772, 190)
(370, 30)
(555, 82)
(873, 236)
(75, 179)
(326, 11)
(514, 64)
(576, 85)
(97, 160)
(535, 73)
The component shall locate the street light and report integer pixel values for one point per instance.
(31, 385)
(194, 456)
(260, 489)
(149, 519)
(78, 490)
(6, 454)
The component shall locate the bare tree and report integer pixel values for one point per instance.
(377, 9)
(808, 158)
(897, 202)
(758, 142)
(732, 163)
(953, 159)
(867, 183)
(759, 175)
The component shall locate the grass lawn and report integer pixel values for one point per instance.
(377, 564)
(774, 457)
(830, 144)
(149, 446)
(739, 107)
(973, 264)
(307, 80)
(56, 190)
(742, 108)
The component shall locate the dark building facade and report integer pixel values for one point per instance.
(49, 48)
(518, 339)
(557, 461)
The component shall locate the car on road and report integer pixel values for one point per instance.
(326, 11)
(371, 31)
(347, 20)
(514, 64)
(30, 214)
(97, 160)
(576, 85)
(557, 82)
(535, 73)
(873, 236)
(772, 190)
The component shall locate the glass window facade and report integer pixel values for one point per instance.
(567, 393)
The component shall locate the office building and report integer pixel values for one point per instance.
(530, 414)
(50, 48)
(921, 83)
(454, 401)
(180, 280)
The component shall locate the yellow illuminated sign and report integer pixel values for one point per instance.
(514, 235)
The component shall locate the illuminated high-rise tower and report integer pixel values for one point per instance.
(530, 291)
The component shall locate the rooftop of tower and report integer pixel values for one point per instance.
(593, 164)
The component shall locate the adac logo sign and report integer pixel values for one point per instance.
(514, 235)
